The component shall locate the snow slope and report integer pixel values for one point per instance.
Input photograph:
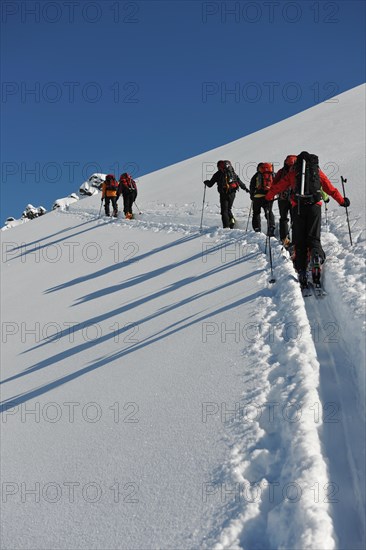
(158, 392)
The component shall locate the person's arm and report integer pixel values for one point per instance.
(331, 190)
(283, 184)
(241, 184)
(252, 186)
(277, 177)
(212, 181)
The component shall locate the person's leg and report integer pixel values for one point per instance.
(256, 219)
(125, 204)
(284, 207)
(313, 231)
(268, 212)
(115, 206)
(128, 205)
(299, 238)
(231, 199)
(224, 204)
(106, 205)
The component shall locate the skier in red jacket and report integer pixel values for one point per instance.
(306, 216)
(284, 204)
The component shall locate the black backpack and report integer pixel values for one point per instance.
(307, 186)
(231, 179)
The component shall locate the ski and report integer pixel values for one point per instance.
(318, 290)
(306, 291)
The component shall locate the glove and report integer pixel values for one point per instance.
(326, 200)
(346, 202)
(206, 182)
(246, 189)
(102, 199)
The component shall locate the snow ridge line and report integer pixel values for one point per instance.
(280, 507)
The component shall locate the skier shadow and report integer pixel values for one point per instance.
(53, 243)
(155, 273)
(50, 236)
(144, 299)
(160, 335)
(122, 264)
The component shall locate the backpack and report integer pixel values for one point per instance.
(127, 182)
(111, 183)
(307, 185)
(264, 177)
(231, 179)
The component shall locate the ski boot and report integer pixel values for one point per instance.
(303, 279)
(232, 223)
(316, 269)
(286, 243)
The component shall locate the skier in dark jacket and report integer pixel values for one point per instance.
(109, 194)
(306, 218)
(128, 189)
(284, 204)
(259, 185)
(228, 182)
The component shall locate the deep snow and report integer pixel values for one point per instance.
(158, 392)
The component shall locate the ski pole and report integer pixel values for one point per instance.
(326, 215)
(250, 210)
(100, 209)
(344, 194)
(272, 279)
(268, 215)
(203, 205)
(137, 207)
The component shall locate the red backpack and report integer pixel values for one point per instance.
(127, 182)
(264, 177)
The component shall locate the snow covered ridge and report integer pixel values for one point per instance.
(247, 400)
(90, 187)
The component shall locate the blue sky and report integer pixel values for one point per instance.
(139, 85)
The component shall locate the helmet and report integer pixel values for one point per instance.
(109, 177)
(259, 166)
